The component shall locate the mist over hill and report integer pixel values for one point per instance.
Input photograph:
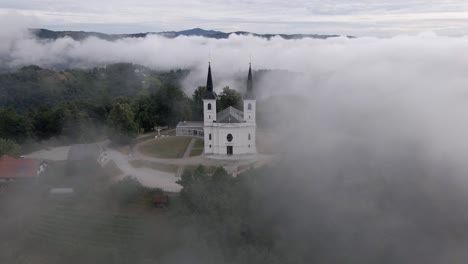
(80, 35)
(369, 135)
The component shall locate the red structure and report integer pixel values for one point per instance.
(17, 169)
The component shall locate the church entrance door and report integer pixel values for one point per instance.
(229, 150)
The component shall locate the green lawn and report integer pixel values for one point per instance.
(197, 149)
(66, 228)
(166, 148)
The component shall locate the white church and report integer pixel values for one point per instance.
(229, 132)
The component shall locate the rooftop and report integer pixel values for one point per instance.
(230, 115)
(18, 168)
(190, 124)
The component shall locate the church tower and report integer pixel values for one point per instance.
(209, 100)
(209, 114)
(249, 100)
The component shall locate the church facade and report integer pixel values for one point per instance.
(230, 131)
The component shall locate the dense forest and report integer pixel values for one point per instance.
(85, 105)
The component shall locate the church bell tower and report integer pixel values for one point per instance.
(209, 114)
(249, 100)
(209, 100)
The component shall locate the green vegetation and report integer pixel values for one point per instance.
(196, 152)
(197, 149)
(229, 97)
(67, 226)
(121, 123)
(8, 147)
(199, 143)
(75, 105)
(104, 220)
(166, 148)
(32, 87)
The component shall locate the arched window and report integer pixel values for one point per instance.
(209, 106)
(210, 146)
(249, 107)
(249, 137)
(229, 137)
(209, 137)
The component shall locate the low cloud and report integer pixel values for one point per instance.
(372, 133)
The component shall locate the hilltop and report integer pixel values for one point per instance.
(80, 35)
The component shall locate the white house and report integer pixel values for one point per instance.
(229, 132)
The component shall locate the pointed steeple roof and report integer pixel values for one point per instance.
(209, 81)
(250, 93)
(209, 94)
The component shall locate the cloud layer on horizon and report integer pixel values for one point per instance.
(425, 55)
(360, 17)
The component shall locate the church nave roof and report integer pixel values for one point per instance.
(230, 115)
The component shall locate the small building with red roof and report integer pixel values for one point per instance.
(19, 169)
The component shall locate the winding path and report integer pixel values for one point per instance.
(155, 178)
(148, 177)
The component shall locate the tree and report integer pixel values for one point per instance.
(14, 126)
(121, 123)
(172, 105)
(229, 97)
(145, 113)
(209, 194)
(8, 147)
(47, 123)
(197, 103)
(77, 126)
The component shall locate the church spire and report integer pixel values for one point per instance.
(209, 94)
(250, 92)
(209, 81)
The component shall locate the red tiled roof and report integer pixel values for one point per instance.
(18, 168)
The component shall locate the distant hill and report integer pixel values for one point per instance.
(80, 35)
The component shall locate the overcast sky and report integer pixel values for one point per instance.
(347, 17)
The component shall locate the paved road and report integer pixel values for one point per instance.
(197, 160)
(55, 154)
(154, 178)
(232, 164)
(148, 177)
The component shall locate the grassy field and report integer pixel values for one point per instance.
(71, 230)
(148, 136)
(166, 148)
(197, 149)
